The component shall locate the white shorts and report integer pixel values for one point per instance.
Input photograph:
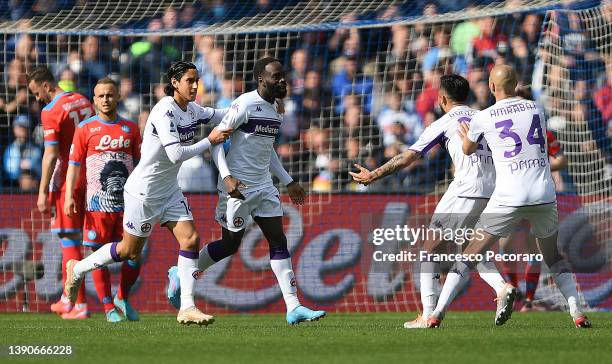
(501, 220)
(140, 216)
(453, 212)
(235, 214)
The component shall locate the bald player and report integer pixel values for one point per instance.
(515, 130)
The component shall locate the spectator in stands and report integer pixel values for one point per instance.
(92, 66)
(187, 17)
(400, 35)
(428, 99)
(149, 58)
(485, 45)
(21, 154)
(226, 96)
(170, 18)
(350, 81)
(13, 91)
(26, 50)
(130, 103)
(436, 54)
(603, 96)
(340, 35)
(211, 77)
(67, 80)
(482, 96)
(430, 9)
(297, 76)
(315, 98)
(396, 124)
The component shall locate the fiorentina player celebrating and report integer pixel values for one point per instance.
(244, 174)
(558, 161)
(152, 193)
(62, 112)
(463, 202)
(515, 130)
(108, 147)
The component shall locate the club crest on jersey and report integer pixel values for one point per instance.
(125, 128)
(197, 274)
(146, 227)
(107, 142)
(91, 235)
(238, 221)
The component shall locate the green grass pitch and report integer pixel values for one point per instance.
(465, 337)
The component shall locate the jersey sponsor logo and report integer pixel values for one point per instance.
(527, 164)
(97, 128)
(235, 106)
(146, 227)
(107, 142)
(238, 221)
(263, 127)
(130, 225)
(258, 109)
(293, 282)
(125, 128)
(48, 132)
(169, 114)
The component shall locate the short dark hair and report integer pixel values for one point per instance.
(40, 74)
(260, 66)
(457, 88)
(107, 81)
(176, 71)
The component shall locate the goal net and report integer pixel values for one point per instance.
(363, 82)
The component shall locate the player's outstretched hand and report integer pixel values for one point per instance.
(296, 193)
(218, 136)
(43, 202)
(232, 186)
(69, 206)
(463, 130)
(365, 177)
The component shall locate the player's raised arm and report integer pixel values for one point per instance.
(400, 161)
(431, 136)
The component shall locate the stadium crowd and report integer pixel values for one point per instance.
(355, 95)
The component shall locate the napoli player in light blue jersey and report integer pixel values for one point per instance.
(245, 186)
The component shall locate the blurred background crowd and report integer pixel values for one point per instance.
(356, 95)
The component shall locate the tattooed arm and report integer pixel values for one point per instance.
(396, 163)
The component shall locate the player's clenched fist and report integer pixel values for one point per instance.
(232, 186)
(69, 206)
(218, 136)
(296, 193)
